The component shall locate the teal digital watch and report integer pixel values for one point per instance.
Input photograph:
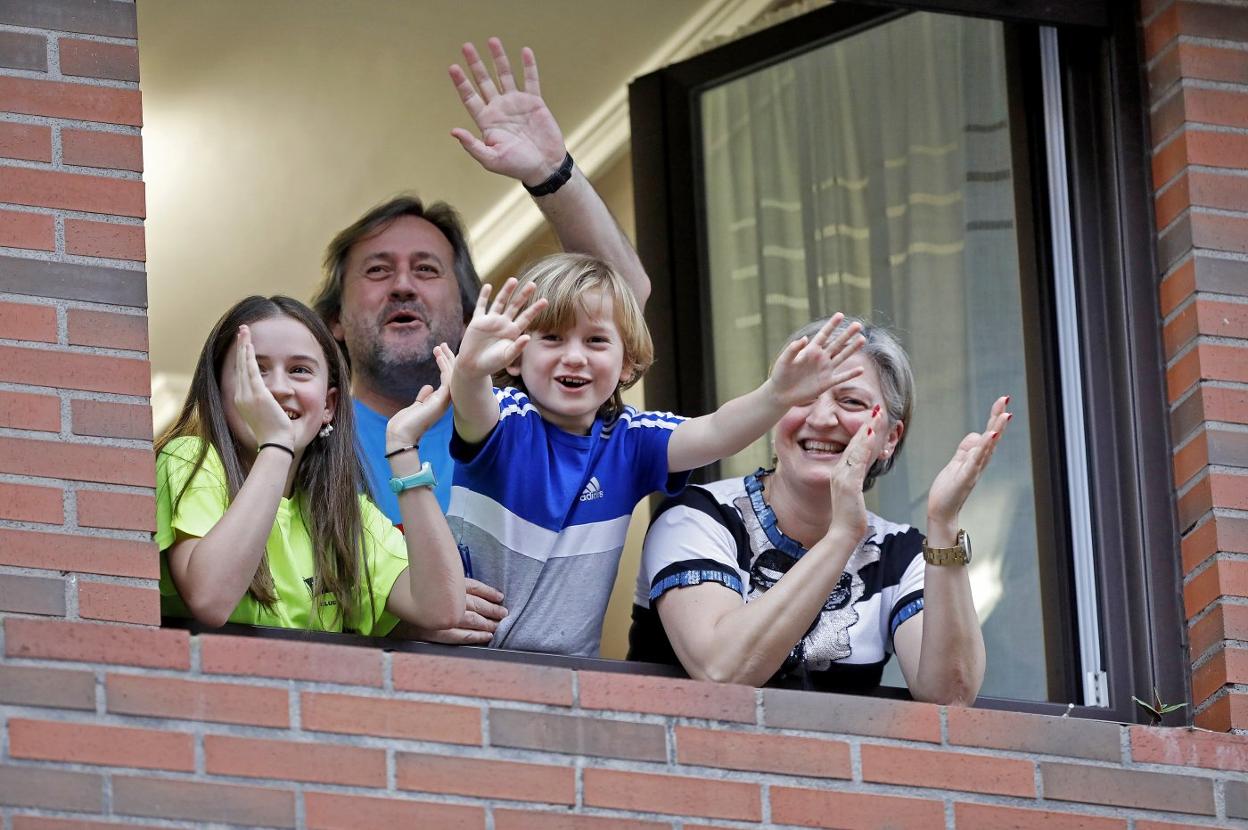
(422, 478)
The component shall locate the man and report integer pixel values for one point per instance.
(400, 280)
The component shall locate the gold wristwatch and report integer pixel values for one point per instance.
(959, 554)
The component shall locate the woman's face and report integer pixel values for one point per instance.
(810, 439)
(294, 370)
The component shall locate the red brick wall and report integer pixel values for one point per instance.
(1197, 60)
(107, 720)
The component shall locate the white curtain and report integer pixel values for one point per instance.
(873, 176)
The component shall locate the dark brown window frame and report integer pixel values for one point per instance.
(1134, 529)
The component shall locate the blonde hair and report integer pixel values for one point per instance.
(563, 280)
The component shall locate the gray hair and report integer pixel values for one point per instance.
(892, 364)
(328, 299)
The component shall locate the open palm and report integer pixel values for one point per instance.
(496, 335)
(519, 135)
(954, 483)
(809, 366)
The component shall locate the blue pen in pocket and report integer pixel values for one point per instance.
(466, 558)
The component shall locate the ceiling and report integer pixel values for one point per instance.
(269, 126)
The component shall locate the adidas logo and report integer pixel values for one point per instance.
(592, 491)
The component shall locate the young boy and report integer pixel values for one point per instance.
(549, 470)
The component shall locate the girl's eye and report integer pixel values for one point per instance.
(301, 370)
(551, 338)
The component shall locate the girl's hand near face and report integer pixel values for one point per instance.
(849, 508)
(809, 366)
(408, 425)
(496, 336)
(263, 415)
(954, 483)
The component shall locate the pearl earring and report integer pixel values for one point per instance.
(326, 430)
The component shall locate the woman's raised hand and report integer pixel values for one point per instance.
(264, 416)
(849, 508)
(811, 365)
(496, 336)
(955, 482)
(406, 426)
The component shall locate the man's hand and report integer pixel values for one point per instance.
(519, 136)
(481, 617)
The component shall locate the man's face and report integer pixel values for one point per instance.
(400, 298)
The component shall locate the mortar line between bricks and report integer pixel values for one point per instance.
(65, 348)
(53, 75)
(1213, 84)
(948, 805)
(1220, 43)
(55, 33)
(70, 529)
(54, 58)
(301, 811)
(73, 439)
(74, 305)
(58, 165)
(71, 123)
(74, 394)
(71, 597)
(68, 213)
(137, 266)
(74, 486)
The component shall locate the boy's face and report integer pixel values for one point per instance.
(570, 374)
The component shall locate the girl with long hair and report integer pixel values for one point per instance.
(262, 516)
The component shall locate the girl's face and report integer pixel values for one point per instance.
(809, 439)
(569, 375)
(294, 370)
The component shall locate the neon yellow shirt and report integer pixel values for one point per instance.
(289, 549)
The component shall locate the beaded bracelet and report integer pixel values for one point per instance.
(393, 453)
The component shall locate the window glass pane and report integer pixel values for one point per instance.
(874, 176)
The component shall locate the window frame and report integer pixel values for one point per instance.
(1134, 526)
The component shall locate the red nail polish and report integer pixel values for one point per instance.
(994, 436)
(1009, 415)
(1007, 400)
(875, 411)
(870, 432)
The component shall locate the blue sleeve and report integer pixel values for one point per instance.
(649, 434)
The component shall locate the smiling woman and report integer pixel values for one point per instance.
(784, 577)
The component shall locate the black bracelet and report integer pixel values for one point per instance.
(281, 447)
(557, 179)
(393, 453)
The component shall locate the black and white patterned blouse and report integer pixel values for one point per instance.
(725, 532)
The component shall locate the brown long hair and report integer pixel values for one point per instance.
(330, 476)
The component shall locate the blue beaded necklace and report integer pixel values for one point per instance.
(767, 517)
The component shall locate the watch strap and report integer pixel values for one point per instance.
(423, 477)
(956, 555)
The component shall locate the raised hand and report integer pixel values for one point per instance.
(256, 405)
(954, 483)
(495, 336)
(407, 425)
(849, 508)
(810, 365)
(519, 136)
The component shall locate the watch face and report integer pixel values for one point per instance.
(966, 545)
